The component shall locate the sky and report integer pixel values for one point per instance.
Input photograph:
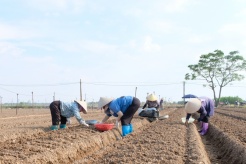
(49, 49)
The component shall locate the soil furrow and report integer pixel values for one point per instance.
(237, 116)
(29, 140)
(222, 148)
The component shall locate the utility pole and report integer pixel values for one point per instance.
(1, 104)
(136, 91)
(54, 97)
(32, 101)
(81, 90)
(184, 91)
(17, 103)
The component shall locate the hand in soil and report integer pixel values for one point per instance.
(117, 124)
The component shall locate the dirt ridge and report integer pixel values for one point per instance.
(196, 150)
(230, 150)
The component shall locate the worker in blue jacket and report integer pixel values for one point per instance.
(123, 108)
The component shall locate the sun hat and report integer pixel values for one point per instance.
(193, 105)
(83, 104)
(152, 97)
(104, 101)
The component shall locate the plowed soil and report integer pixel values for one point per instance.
(26, 138)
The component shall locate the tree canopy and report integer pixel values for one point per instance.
(231, 99)
(218, 70)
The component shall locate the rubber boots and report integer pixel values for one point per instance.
(204, 129)
(125, 130)
(131, 128)
(201, 128)
(54, 127)
(63, 126)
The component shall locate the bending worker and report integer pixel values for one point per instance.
(202, 105)
(123, 108)
(61, 113)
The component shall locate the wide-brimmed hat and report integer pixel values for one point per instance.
(104, 101)
(83, 104)
(193, 105)
(152, 97)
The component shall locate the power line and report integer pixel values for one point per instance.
(135, 84)
(37, 85)
(96, 83)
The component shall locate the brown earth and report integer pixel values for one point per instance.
(26, 138)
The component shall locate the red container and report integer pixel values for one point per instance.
(104, 127)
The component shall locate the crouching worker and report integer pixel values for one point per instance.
(202, 105)
(61, 112)
(152, 110)
(123, 108)
(151, 103)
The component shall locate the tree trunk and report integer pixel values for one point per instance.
(216, 103)
(219, 94)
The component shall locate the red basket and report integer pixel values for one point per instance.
(104, 127)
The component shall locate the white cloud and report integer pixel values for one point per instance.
(55, 6)
(136, 12)
(9, 50)
(149, 46)
(177, 5)
(8, 31)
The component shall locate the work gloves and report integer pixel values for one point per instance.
(117, 124)
(69, 121)
(82, 122)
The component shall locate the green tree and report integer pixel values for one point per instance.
(218, 70)
(231, 99)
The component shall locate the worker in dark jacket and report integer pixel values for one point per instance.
(151, 102)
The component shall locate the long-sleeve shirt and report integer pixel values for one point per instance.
(70, 109)
(119, 104)
(206, 109)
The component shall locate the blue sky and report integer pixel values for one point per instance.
(47, 46)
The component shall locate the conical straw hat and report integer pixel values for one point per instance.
(193, 105)
(104, 101)
(83, 104)
(152, 97)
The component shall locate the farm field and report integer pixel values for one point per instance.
(26, 138)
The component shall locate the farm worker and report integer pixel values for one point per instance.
(61, 112)
(151, 102)
(123, 108)
(161, 104)
(202, 105)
